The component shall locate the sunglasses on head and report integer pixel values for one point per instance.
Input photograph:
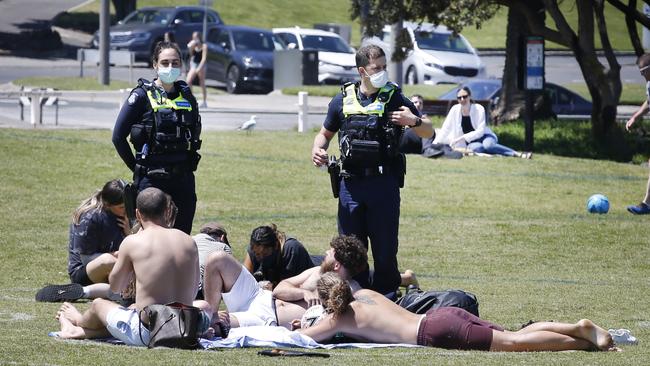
(462, 97)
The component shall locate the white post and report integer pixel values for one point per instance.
(303, 111)
(35, 100)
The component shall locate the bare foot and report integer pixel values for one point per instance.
(408, 278)
(596, 335)
(69, 330)
(68, 311)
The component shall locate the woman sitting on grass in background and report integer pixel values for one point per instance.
(466, 127)
(98, 227)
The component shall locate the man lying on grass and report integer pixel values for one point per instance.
(369, 316)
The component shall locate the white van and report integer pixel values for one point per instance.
(336, 62)
(438, 57)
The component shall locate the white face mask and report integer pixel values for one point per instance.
(379, 79)
(169, 74)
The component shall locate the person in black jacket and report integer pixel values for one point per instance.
(163, 121)
(272, 256)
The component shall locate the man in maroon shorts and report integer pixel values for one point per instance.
(369, 316)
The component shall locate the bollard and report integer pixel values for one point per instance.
(35, 99)
(303, 111)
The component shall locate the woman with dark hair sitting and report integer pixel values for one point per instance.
(272, 256)
(466, 127)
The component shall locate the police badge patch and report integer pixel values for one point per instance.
(132, 98)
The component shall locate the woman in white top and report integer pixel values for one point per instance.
(465, 126)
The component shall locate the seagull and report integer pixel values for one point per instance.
(249, 125)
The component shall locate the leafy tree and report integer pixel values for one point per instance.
(529, 18)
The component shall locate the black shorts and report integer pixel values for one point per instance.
(80, 276)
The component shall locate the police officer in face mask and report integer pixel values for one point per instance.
(370, 117)
(163, 121)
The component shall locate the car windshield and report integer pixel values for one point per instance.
(149, 16)
(441, 42)
(253, 40)
(324, 43)
(480, 91)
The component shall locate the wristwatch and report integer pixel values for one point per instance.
(418, 122)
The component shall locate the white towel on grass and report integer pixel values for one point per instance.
(264, 336)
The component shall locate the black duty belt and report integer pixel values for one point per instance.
(367, 172)
(162, 172)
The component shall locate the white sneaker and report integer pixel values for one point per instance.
(622, 336)
(203, 105)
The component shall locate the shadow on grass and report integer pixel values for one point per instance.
(574, 139)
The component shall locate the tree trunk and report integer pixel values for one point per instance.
(123, 8)
(512, 102)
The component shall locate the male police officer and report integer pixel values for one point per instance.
(163, 120)
(370, 117)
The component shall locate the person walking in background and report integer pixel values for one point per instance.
(643, 62)
(198, 55)
(466, 127)
(163, 121)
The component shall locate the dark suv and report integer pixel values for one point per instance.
(142, 29)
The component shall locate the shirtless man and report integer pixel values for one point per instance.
(165, 265)
(248, 304)
(369, 316)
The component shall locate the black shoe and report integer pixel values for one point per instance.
(57, 293)
(432, 153)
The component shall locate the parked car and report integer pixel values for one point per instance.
(563, 101)
(438, 56)
(142, 29)
(241, 57)
(336, 63)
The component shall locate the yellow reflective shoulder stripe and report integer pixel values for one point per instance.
(178, 103)
(351, 104)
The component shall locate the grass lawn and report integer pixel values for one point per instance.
(513, 232)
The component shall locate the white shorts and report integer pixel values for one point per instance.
(124, 324)
(250, 304)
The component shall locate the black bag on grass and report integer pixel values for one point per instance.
(419, 302)
(173, 325)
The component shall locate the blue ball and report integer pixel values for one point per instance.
(598, 203)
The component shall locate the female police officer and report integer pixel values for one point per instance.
(163, 120)
(370, 117)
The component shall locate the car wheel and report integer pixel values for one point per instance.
(232, 80)
(411, 76)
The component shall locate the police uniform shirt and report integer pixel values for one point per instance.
(97, 232)
(135, 107)
(335, 115)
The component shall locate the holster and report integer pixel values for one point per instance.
(130, 194)
(334, 169)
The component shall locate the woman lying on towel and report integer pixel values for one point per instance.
(370, 317)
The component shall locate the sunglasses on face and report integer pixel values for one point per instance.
(462, 97)
(644, 69)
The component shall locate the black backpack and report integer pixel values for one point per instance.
(419, 302)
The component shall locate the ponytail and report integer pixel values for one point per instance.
(335, 293)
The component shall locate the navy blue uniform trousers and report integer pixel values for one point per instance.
(369, 208)
(181, 188)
